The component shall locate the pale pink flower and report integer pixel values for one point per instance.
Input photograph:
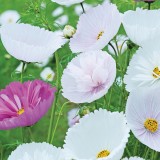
(96, 28)
(88, 76)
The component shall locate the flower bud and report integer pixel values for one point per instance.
(83, 111)
(68, 31)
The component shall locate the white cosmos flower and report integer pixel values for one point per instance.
(29, 43)
(98, 135)
(73, 117)
(36, 151)
(58, 11)
(96, 28)
(142, 25)
(144, 69)
(143, 116)
(63, 20)
(121, 44)
(133, 158)
(88, 76)
(67, 2)
(47, 74)
(9, 17)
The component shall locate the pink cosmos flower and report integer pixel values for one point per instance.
(88, 77)
(24, 104)
(96, 28)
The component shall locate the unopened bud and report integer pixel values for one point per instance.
(68, 31)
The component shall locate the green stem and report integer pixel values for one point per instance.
(135, 148)
(153, 153)
(95, 102)
(31, 135)
(128, 152)
(56, 125)
(116, 54)
(149, 5)
(82, 7)
(135, 6)
(109, 101)
(22, 134)
(23, 65)
(146, 153)
(53, 111)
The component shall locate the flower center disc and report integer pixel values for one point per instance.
(103, 154)
(21, 111)
(156, 72)
(151, 125)
(49, 76)
(100, 35)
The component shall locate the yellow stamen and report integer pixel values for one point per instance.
(156, 72)
(10, 20)
(21, 111)
(100, 35)
(151, 125)
(102, 154)
(49, 76)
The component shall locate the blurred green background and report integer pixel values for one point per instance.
(33, 12)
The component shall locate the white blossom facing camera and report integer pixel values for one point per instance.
(47, 74)
(9, 17)
(98, 135)
(94, 32)
(69, 31)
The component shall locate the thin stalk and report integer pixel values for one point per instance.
(149, 6)
(109, 101)
(122, 46)
(23, 65)
(135, 5)
(135, 148)
(22, 129)
(128, 152)
(146, 154)
(53, 111)
(95, 102)
(105, 101)
(56, 125)
(82, 7)
(153, 153)
(30, 132)
(113, 49)
(22, 134)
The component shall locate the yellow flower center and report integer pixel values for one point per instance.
(100, 35)
(103, 154)
(156, 72)
(21, 111)
(49, 76)
(10, 20)
(151, 125)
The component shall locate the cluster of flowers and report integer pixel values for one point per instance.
(88, 77)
